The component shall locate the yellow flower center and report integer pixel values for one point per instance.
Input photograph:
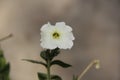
(56, 35)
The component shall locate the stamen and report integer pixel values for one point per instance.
(56, 35)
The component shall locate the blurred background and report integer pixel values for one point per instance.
(96, 27)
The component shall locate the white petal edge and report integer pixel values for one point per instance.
(45, 26)
(63, 25)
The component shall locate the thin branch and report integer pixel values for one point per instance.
(95, 63)
(4, 38)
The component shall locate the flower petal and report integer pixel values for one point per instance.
(60, 24)
(63, 26)
(64, 41)
(46, 27)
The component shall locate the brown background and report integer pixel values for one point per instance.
(96, 27)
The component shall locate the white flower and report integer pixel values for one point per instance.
(58, 35)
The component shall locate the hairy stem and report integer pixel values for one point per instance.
(48, 70)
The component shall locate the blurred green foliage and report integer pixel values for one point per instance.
(4, 67)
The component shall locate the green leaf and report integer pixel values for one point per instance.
(45, 54)
(56, 77)
(54, 53)
(1, 53)
(42, 76)
(2, 60)
(4, 73)
(37, 62)
(60, 63)
(6, 69)
(2, 63)
(49, 54)
(75, 77)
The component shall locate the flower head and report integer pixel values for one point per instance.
(58, 35)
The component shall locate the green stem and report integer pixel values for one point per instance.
(48, 70)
